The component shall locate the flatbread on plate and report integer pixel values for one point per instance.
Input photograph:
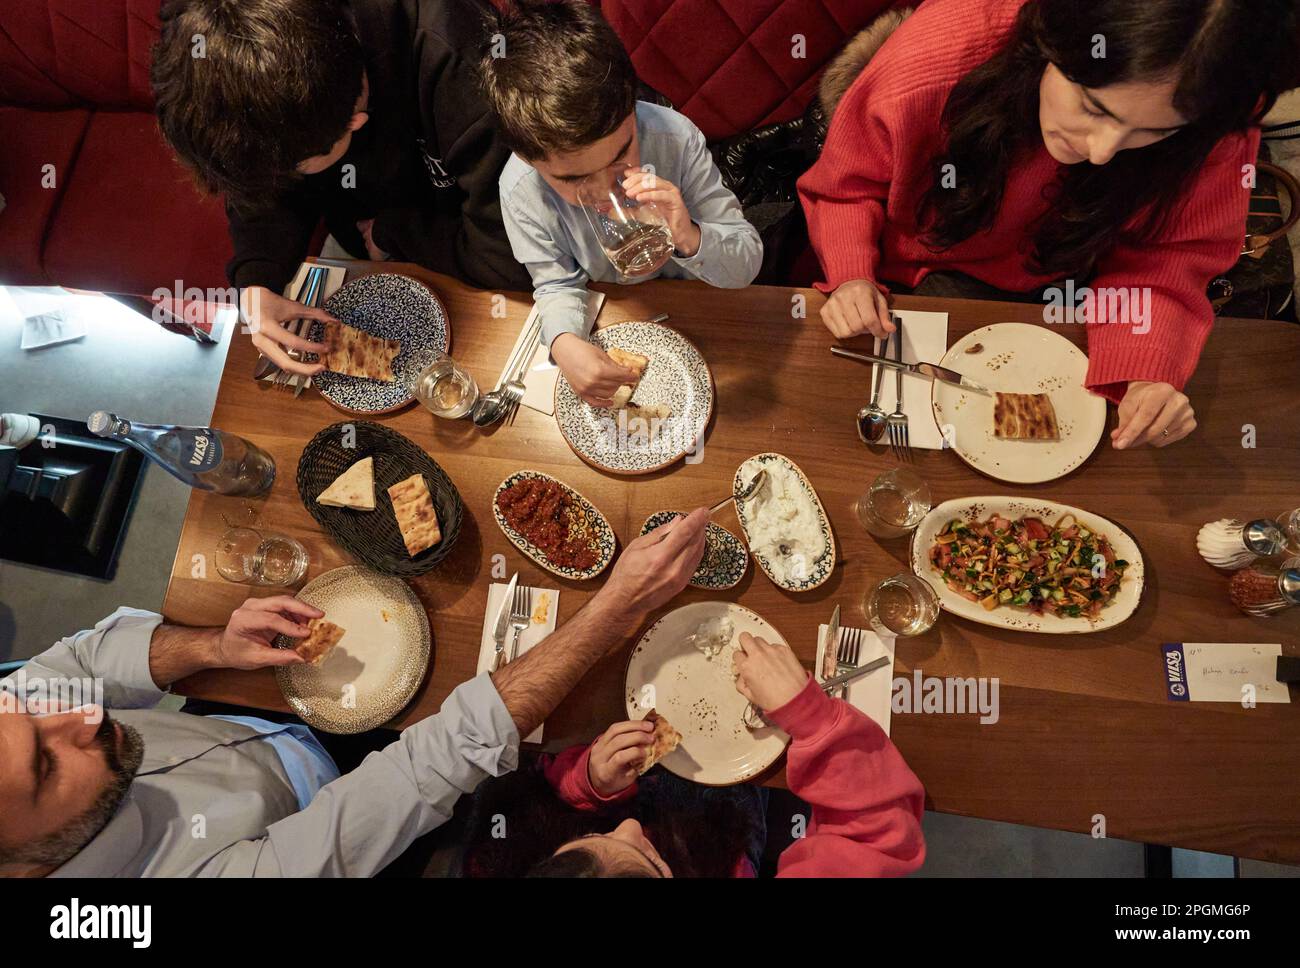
(666, 739)
(1025, 416)
(416, 516)
(354, 352)
(321, 638)
(634, 362)
(354, 488)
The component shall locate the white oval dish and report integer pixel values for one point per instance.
(1020, 619)
(816, 571)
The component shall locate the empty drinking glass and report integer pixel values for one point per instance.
(894, 504)
(901, 605)
(445, 388)
(254, 557)
(634, 235)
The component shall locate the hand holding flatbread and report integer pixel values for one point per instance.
(354, 352)
(322, 637)
(665, 739)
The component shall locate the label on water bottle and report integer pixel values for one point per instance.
(202, 451)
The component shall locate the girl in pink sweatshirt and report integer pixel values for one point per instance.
(605, 821)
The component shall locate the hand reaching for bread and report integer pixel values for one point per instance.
(594, 376)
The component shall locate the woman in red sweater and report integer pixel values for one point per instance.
(605, 821)
(1022, 142)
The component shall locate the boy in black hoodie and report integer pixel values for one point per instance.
(366, 113)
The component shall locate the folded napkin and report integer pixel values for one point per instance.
(527, 638)
(541, 375)
(872, 692)
(925, 340)
(334, 279)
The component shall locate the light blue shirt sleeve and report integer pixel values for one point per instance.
(357, 825)
(731, 250)
(306, 763)
(559, 283)
(107, 665)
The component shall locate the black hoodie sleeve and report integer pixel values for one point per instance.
(462, 234)
(271, 242)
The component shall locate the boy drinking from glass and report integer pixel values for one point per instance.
(563, 92)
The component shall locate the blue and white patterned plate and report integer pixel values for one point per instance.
(391, 307)
(677, 376)
(587, 517)
(725, 558)
(814, 572)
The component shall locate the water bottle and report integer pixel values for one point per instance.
(202, 457)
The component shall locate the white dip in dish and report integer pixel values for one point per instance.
(782, 512)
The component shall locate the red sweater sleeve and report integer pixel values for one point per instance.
(567, 774)
(866, 802)
(1201, 239)
(845, 190)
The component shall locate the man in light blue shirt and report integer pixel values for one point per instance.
(153, 792)
(563, 91)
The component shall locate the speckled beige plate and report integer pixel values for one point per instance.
(1120, 608)
(378, 664)
(698, 696)
(1019, 358)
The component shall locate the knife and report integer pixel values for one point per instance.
(931, 370)
(832, 649)
(503, 623)
(872, 666)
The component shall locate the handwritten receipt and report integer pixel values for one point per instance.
(1223, 672)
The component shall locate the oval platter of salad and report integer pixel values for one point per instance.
(1029, 565)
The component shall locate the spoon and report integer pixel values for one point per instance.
(871, 418)
(745, 493)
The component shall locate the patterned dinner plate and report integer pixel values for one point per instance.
(378, 664)
(803, 575)
(586, 518)
(676, 376)
(697, 694)
(1019, 358)
(725, 557)
(390, 307)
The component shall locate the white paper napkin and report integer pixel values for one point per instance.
(872, 692)
(925, 340)
(542, 374)
(527, 638)
(334, 278)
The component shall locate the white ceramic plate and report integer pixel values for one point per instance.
(378, 664)
(698, 696)
(1019, 358)
(1020, 619)
(601, 533)
(813, 572)
(677, 376)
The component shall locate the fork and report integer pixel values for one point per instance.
(521, 616)
(846, 656)
(896, 422)
(284, 379)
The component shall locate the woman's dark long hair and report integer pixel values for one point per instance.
(697, 836)
(1231, 59)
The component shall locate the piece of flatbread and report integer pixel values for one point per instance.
(354, 488)
(1025, 416)
(666, 739)
(321, 638)
(354, 352)
(633, 361)
(416, 516)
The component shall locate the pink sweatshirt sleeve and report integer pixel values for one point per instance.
(1202, 239)
(866, 802)
(567, 774)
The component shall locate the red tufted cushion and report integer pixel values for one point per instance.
(730, 65)
(62, 53)
(130, 219)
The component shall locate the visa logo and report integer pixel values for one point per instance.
(1174, 665)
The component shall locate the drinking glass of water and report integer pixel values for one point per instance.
(894, 504)
(445, 388)
(253, 557)
(634, 235)
(901, 605)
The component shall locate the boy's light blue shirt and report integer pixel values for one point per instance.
(554, 240)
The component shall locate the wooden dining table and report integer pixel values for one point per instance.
(1086, 738)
